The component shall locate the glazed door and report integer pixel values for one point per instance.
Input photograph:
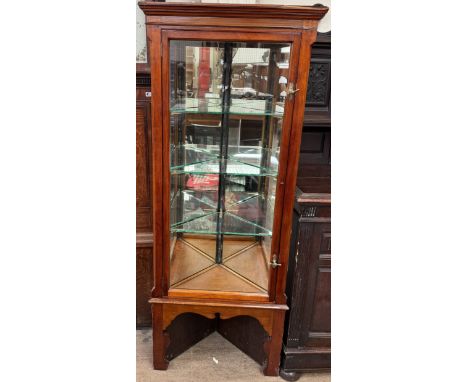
(227, 110)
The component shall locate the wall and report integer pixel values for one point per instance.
(324, 25)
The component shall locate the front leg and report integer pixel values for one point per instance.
(273, 344)
(160, 339)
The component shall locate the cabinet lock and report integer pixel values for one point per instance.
(291, 90)
(274, 263)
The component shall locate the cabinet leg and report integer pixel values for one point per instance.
(289, 376)
(160, 339)
(273, 345)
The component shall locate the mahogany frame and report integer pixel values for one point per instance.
(165, 21)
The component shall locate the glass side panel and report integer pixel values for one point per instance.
(227, 103)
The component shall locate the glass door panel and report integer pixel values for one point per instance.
(227, 105)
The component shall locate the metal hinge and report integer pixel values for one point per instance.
(274, 263)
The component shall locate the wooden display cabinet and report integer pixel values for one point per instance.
(230, 84)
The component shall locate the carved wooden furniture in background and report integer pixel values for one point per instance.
(314, 161)
(307, 337)
(317, 110)
(224, 164)
(306, 343)
(144, 234)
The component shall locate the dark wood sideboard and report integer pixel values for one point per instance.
(144, 227)
(307, 338)
(307, 335)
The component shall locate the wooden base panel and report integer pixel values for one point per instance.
(185, 331)
(304, 360)
(175, 321)
(247, 334)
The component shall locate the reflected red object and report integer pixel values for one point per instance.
(198, 182)
(204, 72)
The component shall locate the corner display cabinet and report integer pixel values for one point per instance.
(228, 92)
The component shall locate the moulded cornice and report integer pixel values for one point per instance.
(253, 11)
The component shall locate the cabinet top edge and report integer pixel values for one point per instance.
(315, 12)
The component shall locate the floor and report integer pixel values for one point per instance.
(211, 360)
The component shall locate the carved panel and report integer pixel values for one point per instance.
(309, 211)
(319, 84)
(317, 109)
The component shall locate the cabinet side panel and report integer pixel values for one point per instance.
(301, 287)
(307, 39)
(292, 272)
(154, 44)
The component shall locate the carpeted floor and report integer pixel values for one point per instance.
(197, 364)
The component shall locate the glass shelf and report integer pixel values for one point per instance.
(244, 214)
(195, 204)
(189, 205)
(233, 168)
(233, 225)
(192, 154)
(238, 107)
(242, 160)
(252, 155)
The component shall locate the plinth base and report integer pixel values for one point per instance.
(256, 329)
